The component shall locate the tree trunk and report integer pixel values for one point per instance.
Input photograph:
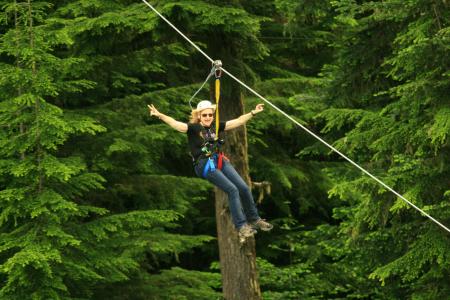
(237, 261)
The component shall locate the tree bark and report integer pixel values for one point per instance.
(237, 261)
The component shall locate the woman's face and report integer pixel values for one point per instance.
(206, 117)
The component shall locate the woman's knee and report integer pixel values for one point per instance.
(232, 190)
(244, 189)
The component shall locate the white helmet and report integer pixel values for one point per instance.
(205, 104)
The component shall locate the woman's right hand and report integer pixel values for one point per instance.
(153, 111)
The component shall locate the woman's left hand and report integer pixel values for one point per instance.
(259, 108)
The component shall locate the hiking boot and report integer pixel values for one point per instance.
(262, 225)
(246, 231)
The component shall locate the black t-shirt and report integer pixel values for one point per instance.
(197, 135)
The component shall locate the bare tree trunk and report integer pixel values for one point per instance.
(237, 261)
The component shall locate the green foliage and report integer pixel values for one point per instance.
(98, 200)
(55, 242)
(390, 126)
(177, 283)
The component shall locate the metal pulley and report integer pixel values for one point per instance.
(217, 65)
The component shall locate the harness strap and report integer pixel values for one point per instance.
(209, 167)
(218, 73)
(215, 160)
(220, 160)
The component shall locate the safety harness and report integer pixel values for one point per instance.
(212, 151)
(212, 145)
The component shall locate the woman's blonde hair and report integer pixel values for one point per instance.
(195, 117)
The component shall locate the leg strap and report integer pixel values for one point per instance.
(220, 160)
(209, 167)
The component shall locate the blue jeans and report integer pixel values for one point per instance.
(229, 181)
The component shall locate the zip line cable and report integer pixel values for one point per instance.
(177, 30)
(300, 125)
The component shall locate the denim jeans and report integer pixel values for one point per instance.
(240, 198)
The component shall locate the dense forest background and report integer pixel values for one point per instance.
(99, 201)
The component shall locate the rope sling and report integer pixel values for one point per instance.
(300, 125)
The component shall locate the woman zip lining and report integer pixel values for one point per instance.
(209, 162)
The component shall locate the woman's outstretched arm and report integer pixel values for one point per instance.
(244, 118)
(177, 125)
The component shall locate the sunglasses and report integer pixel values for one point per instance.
(207, 115)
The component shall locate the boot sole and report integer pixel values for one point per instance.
(263, 229)
(266, 229)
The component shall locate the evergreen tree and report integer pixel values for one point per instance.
(389, 113)
(54, 243)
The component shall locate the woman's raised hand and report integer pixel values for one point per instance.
(259, 108)
(153, 111)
